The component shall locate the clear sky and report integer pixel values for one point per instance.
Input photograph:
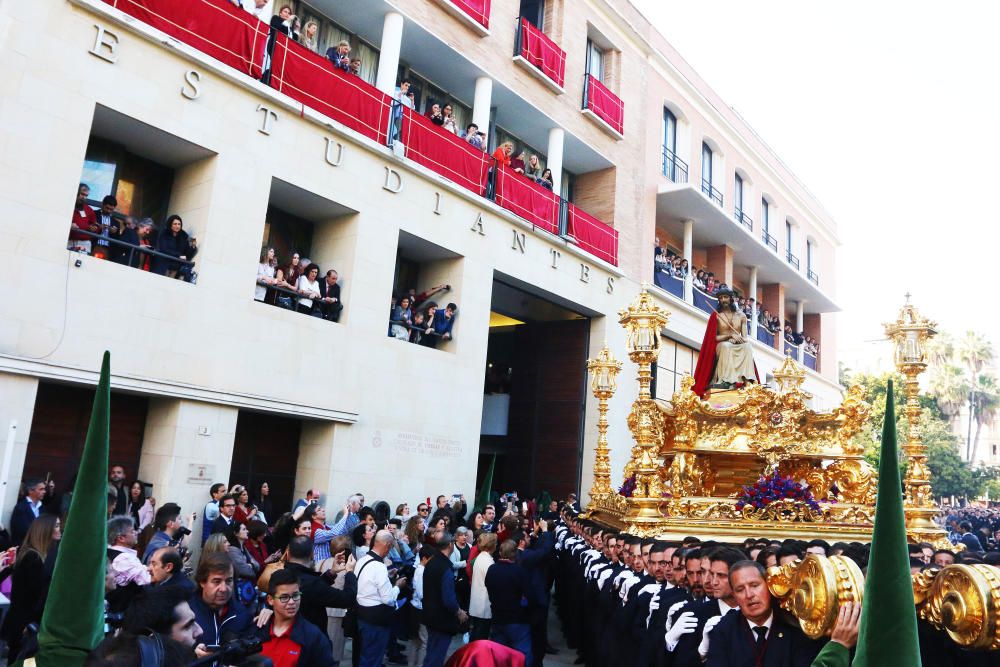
(889, 112)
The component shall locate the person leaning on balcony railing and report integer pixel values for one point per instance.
(533, 169)
(284, 22)
(474, 137)
(356, 66)
(340, 55)
(435, 115)
(308, 287)
(83, 218)
(449, 119)
(293, 270)
(517, 163)
(329, 290)
(265, 273)
(545, 180)
(699, 280)
(404, 95)
(308, 38)
(402, 317)
(503, 152)
(104, 223)
(174, 241)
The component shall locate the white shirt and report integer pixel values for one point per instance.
(373, 583)
(766, 624)
(36, 507)
(263, 271)
(418, 586)
(307, 285)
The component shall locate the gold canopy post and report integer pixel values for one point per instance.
(909, 335)
(603, 372)
(643, 321)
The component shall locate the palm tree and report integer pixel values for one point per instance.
(975, 351)
(950, 387)
(985, 406)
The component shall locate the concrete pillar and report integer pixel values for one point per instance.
(17, 405)
(187, 446)
(720, 262)
(799, 325)
(555, 156)
(482, 99)
(315, 462)
(388, 57)
(774, 301)
(753, 295)
(689, 256)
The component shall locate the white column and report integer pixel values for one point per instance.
(753, 295)
(555, 157)
(688, 255)
(388, 57)
(481, 100)
(799, 324)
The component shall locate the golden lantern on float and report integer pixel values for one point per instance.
(603, 371)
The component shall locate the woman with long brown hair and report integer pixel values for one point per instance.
(30, 579)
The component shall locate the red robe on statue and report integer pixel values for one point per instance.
(705, 370)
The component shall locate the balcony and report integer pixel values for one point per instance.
(709, 191)
(313, 82)
(813, 277)
(603, 106)
(674, 168)
(743, 219)
(669, 283)
(765, 336)
(474, 13)
(540, 56)
(792, 259)
(678, 203)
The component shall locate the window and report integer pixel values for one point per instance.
(669, 131)
(670, 160)
(674, 361)
(788, 236)
(809, 256)
(765, 217)
(738, 196)
(534, 12)
(706, 167)
(595, 61)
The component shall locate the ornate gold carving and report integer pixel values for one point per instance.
(783, 510)
(690, 475)
(604, 371)
(962, 600)
(814, 588)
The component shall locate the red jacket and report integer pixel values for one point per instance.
(82, 219)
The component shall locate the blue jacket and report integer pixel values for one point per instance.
(235, 622)
(158, 541)
(314, 646)
(535, 562)
(442, 325)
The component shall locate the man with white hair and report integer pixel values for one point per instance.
(350, 518)
(376, 600)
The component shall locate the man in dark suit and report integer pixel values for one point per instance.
(755, 635)
(227, 508)
(329, 290)
(535, 561)
(441, 613)
(695, 619)
(26, 510)
(968, 538)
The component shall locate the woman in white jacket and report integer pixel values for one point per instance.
(480, 611)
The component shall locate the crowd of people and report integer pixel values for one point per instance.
(668, 262)
(107, 234)
(419, 319)
(402, 586)
(297, 286)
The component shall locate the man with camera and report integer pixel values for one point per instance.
(220, 617)
(170, 531)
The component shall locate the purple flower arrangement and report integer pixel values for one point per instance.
(628, 486)
(772, 488)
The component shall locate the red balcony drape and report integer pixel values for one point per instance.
(216, 28)
(444, 153)
(542, 52)
(478, 10)
(311, 79)
(595, 236)
(605, 104)
(527, 199)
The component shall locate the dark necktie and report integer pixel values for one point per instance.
(761, 633)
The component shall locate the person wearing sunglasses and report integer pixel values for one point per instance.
(288, 638)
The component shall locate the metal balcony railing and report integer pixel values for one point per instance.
(743, 219)
(769, 241)
(709, 191)
(792, 259)
(674, 168)
(813, 277)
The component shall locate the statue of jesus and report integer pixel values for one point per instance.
(726, 357)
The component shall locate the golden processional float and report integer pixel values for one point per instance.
(694, 458)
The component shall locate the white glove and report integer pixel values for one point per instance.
(654, 604)
(685, 624)
(670, 613)
(703, 646)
